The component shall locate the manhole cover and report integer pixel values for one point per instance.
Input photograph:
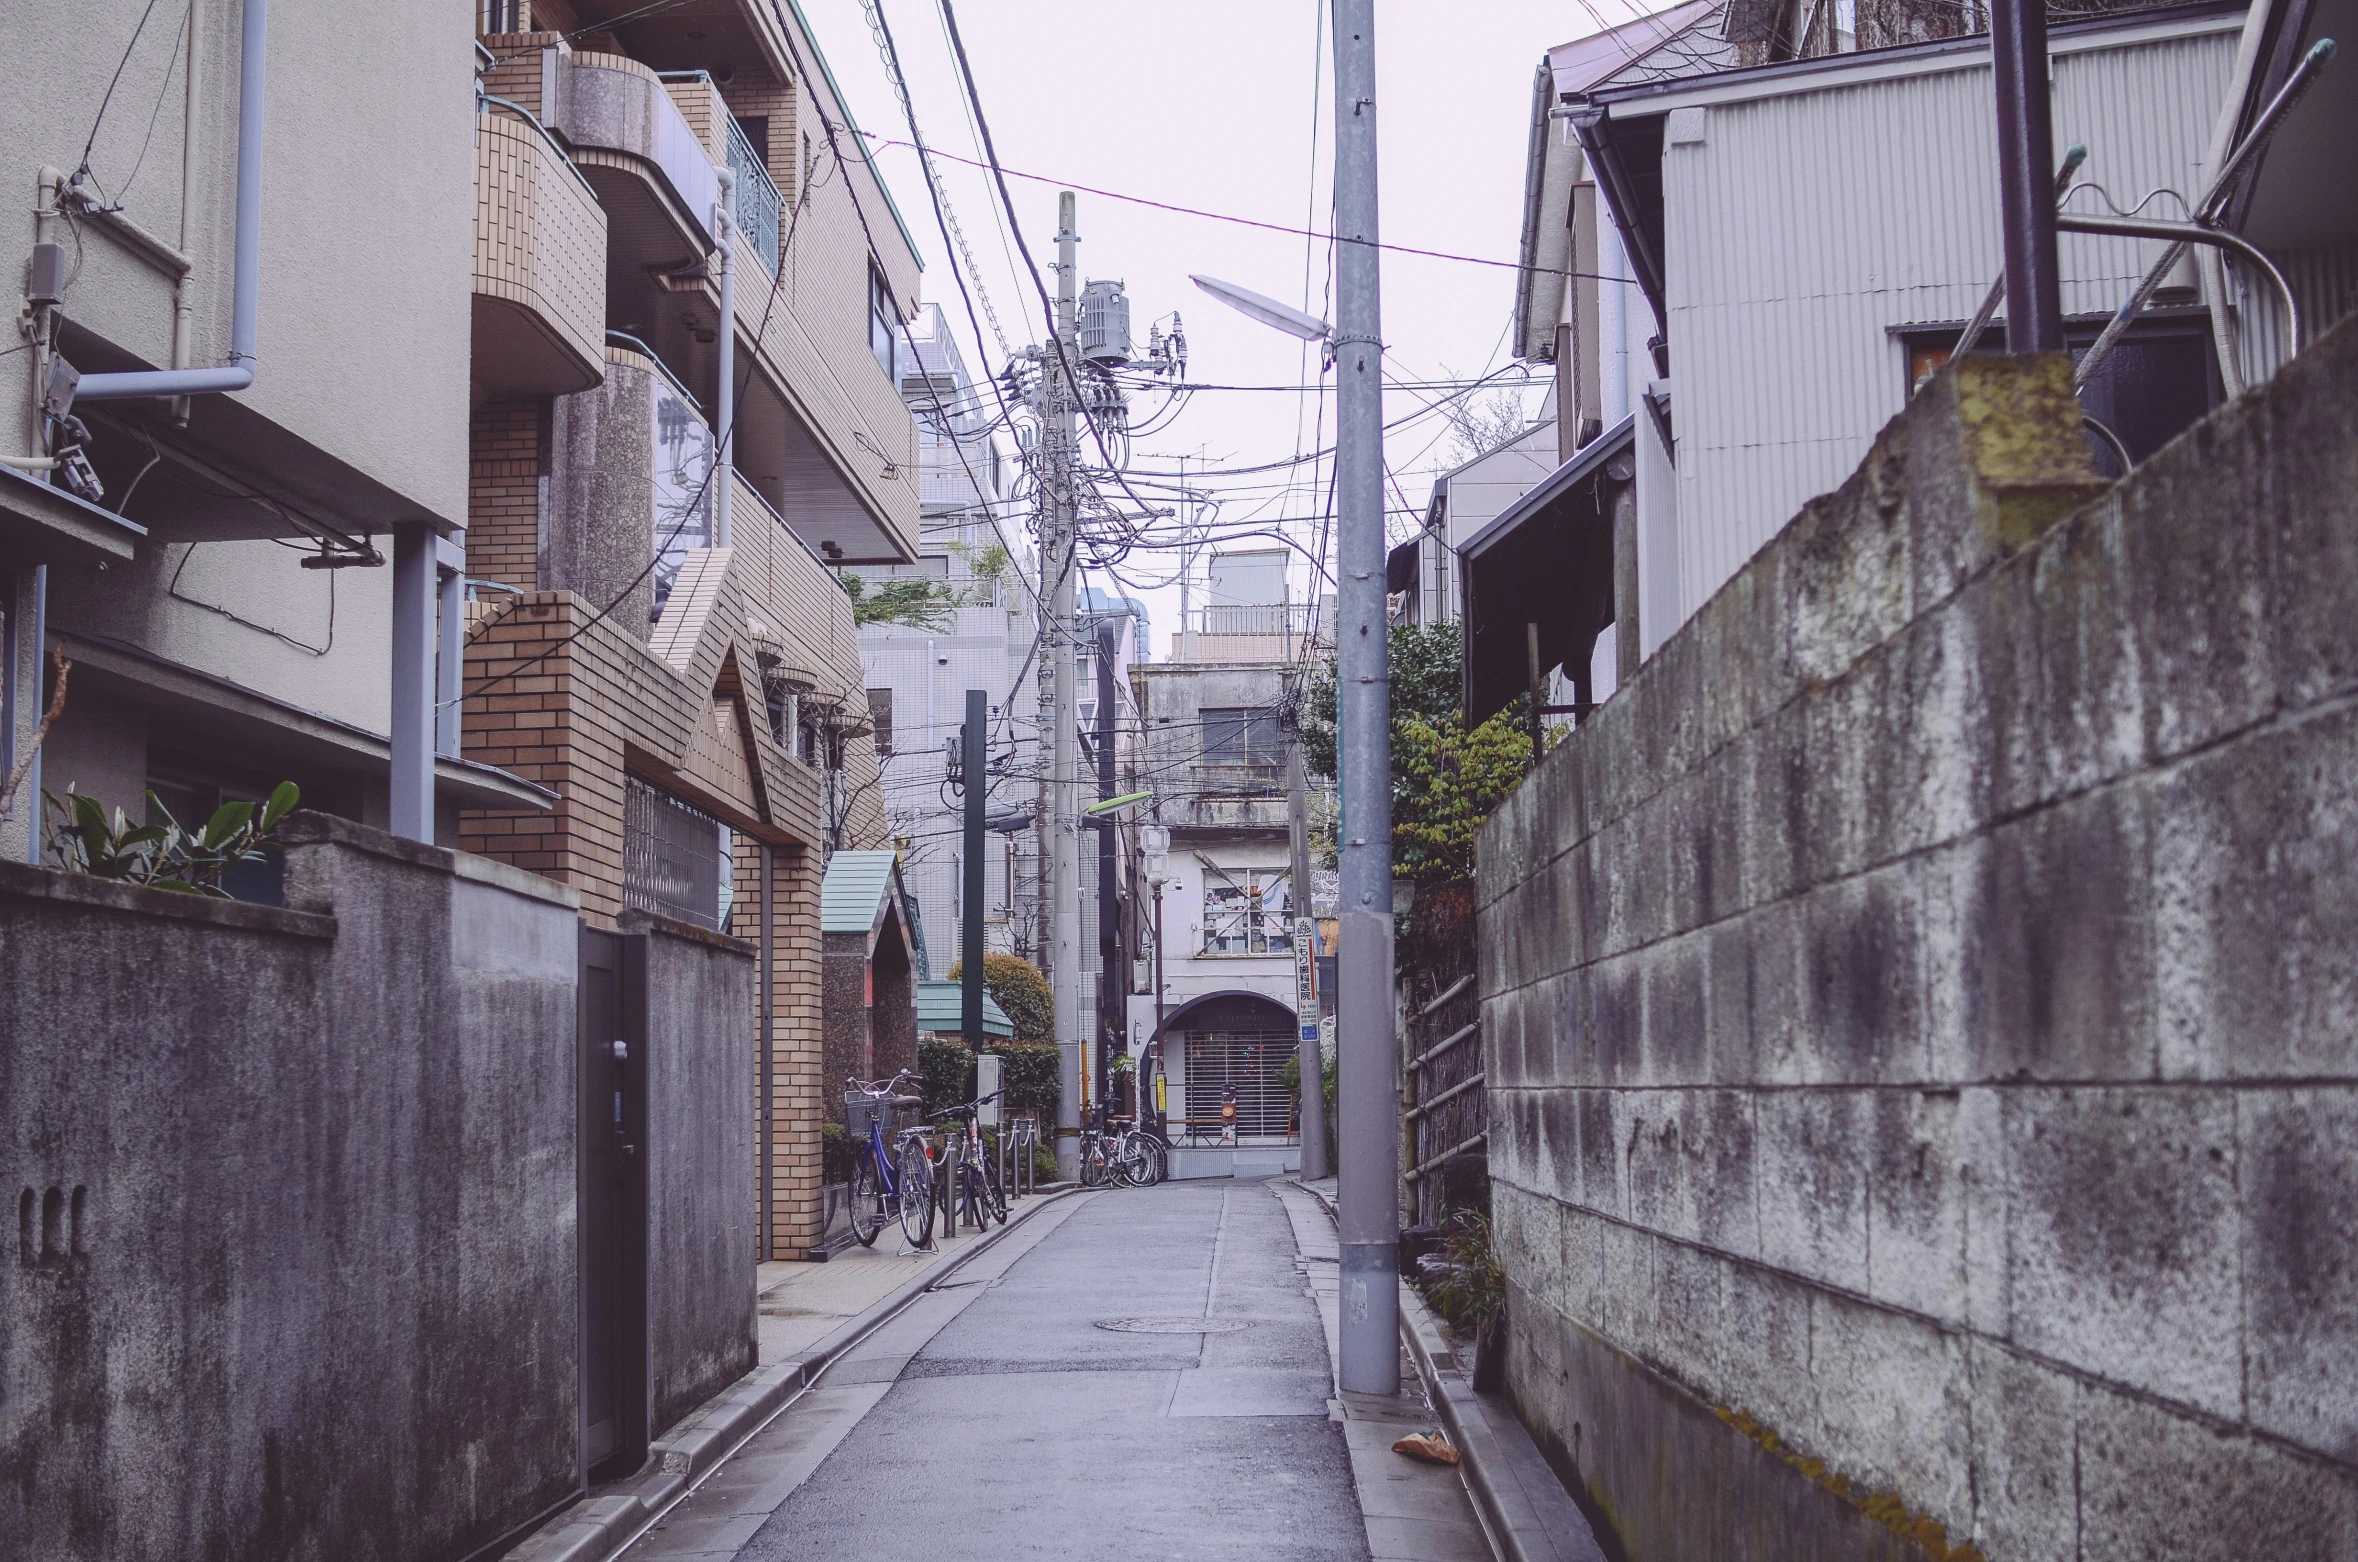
(1173, 1325)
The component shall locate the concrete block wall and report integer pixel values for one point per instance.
(700, 1130)
(1921, 1020)
(309, 1289)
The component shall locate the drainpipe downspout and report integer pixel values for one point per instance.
(239, 372)
(725, 406)
(184, 287)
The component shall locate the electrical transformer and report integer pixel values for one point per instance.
(1105, 323)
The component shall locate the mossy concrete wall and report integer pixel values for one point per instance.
(1921, 1012)
(292, 1267)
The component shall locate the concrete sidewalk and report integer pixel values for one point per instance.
(802, 1303)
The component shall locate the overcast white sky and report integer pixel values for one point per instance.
(1209, 105)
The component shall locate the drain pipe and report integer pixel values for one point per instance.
(239, 373)
(725, 404)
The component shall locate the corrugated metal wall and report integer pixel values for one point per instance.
(1802, 228)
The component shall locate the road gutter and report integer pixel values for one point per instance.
(616, 1515)
(1529, 1515)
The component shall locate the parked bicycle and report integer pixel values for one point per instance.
(973, 1190)
(1118, 1153)
(889, 1183)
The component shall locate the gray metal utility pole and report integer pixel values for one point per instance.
(2026, 177)
(1315, 1163)
(1059, 704)
(1111, 1021)
(1367, 1046)
(974, 767)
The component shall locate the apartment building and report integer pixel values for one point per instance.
(689, 284)
(240, 559)
(979, 630)
(1214, 743)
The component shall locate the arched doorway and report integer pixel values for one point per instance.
(1222, 1048)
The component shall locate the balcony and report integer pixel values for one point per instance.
(653, 175)
(540, 264)
(1249, 633)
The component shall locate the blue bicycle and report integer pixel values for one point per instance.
(898, 1181)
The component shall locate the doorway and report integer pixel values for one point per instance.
(613, 1203)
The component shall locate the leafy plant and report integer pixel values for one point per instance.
(917, 604)
(1017, 986)
(1464, 1282)
(1445, 780)
(83, 837)
(1027, 1073)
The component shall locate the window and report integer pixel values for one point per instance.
(503, 16)
(880, 716)
(674, 857)
(1247, 911)
(883, 321)
(1238, 736)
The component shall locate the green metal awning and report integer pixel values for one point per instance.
(938, 1010)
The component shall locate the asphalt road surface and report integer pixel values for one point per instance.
(1005, 1419)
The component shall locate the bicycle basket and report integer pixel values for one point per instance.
(860, 1110)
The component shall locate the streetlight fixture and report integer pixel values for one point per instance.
(1265, 309)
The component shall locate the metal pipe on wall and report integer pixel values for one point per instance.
(1366, 1041)
(246, 285)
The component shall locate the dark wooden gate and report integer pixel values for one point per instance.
(613, 1205)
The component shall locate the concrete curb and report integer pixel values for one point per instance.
(614, 1515)
(1531, 1518)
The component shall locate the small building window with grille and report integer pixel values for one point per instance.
(883, 321)
(1244, 738)
(1251, 1063)
(880, 717)
(674, 857)
(1247, 911)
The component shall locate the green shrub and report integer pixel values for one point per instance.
(1028, 1075)
(1017, 986)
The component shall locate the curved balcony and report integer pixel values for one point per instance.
(540, 265)
(651, 171)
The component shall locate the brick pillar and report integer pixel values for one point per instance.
(798, 1095)
(507, 467)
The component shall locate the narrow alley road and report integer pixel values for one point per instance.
(1143, 1370)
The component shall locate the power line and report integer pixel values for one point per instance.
(1001, 172)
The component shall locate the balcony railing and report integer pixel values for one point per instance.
(758, 201)
(1257, 632)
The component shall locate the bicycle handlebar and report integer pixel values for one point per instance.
(964, 1108)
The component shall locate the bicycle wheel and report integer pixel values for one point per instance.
(916, 1195)
(867, 1200)
(1157, 1163)
(994, 1195)
(1092, 1163)
(945, 1189)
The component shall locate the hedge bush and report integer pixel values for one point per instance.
(1028, 1074)
(1017, 986)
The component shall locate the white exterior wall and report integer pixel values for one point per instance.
(1783, 361)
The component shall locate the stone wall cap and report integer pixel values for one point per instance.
(306, 827)
(638, 920)
(515, 880)
(22, 881)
